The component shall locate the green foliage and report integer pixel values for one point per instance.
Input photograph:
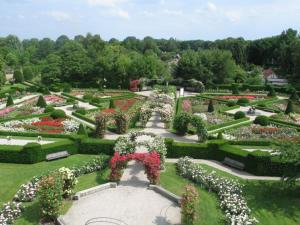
(271, 90)
(231, 103)
(50, 194)
(189, 200)
(294, 96)
(9, 101)
(239, 115)
(122, 122)
(88, 96)
(58, 113)
(220, 136)
(49, 109)
(33, 153)
(18, 76)
(235, 89)
(201, 130)
(97, 146)
(41, 102)
(28, 73)
(111, 104)
(101, 124)
(82, 130)
(81, 111)
(289, 108)
(210, 106)
(243, 101)
(67, 88)
(181, 122)
(262, 120)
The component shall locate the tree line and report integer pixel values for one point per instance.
(91, 60)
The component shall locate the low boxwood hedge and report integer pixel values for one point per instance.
(226, 124)
(25, 117)
(83, 117)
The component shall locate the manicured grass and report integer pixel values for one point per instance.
(14, 175)
(271, 203)
(208, 211)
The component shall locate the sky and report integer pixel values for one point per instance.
(180, 19)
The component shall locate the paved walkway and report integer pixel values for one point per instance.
(131, 203)
(227, 169)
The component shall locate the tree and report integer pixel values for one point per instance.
(272, 92)
(235, 89)
(41, 102)
(210, 106)
(82, 130)
(11, 59)
(294, 96)
(28, 73)
(9, 101)
(289, 108)
(18, 76)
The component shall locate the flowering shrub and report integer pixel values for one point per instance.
(122, 122)
(69, 181)
(151, 162)
(186, 105)
(27, 192)
(188, 202)
(50, 192)
(101, 121)
(249, 97)
(229, 191)
(125, 104)
(10, 212)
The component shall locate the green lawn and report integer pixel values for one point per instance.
(269, 201)
(14, 175)
(208, 211)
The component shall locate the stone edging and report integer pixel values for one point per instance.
(93, 190)
(165, 193)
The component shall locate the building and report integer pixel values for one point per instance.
(271, 77)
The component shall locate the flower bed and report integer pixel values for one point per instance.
(257, 132)
(23, 110)
(229, 191)
(43, 125)
(54, 100)
(28, 191)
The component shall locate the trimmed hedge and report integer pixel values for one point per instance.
(83, 117)
(97, 146)
(226, 124)
(32, 134)
(24, 117)
(284, 123)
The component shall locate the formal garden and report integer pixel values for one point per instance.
(54, 145)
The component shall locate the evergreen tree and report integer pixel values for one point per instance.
(272, 92)
(289, 107)
(294, 96)
(210, 106)
(18, 76)
(82, 130)
(235, 89)
(220, 136)
(9, 101)
(111, 104)
(41, 102)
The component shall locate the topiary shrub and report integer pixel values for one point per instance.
(49, 109)
(235, 89)
(243, 101)
(58, 113)
(181, 122)
(101, 121)
(9, 101)
(122, 122)
(96, 100)
(87, 96)
(239, 115)
(33, 153)
(82, 130)
(262, 120)
(111, 104)
(41, 102)
(231, 103)
(220, 136)
(210, 107)
(67, 88)
(81, 111)
(201, 130)
(289, 108)
(18, 76)
(271, 90)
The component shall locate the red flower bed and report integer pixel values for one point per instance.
(250, 97)
(108, 111)
(124, 104)
(151, 162)
(265, 130)
(49, 125)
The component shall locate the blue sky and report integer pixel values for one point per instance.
(181, 19)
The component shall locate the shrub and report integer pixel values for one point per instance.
(234, 89)
(58, 113)
(239, 115)
(54, 88)
(271, 90)
(50, 191)
(262, 120)
(189, 200)
(111, 104)
(32, 153)
(87, 96)
(49, 109)
(101, 121)
(243, 101)
(210, 106)
(220, 136)
(67, 88)
(231, 103)
(68, 180)
(122, 122)
(96, 100)
(289, 107)
(181, 122)
(97, 146)
(294, 96)
(9, 101)
(41, 102)
(82, 130)
(152, 167)
(18, 76)
(28, 73)
(201, 130)
(81, 111)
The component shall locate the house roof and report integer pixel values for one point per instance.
(268, 72)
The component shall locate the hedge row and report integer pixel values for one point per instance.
(83, 117)
(264, 101)
(229, 123)
(285, 123)
(258, 162)
(268, 109)
(25, 117)
(96, 146)
(32, 134)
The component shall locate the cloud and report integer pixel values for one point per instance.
(60, 16)
(172, 12)
(211, 7)
(115, 6)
